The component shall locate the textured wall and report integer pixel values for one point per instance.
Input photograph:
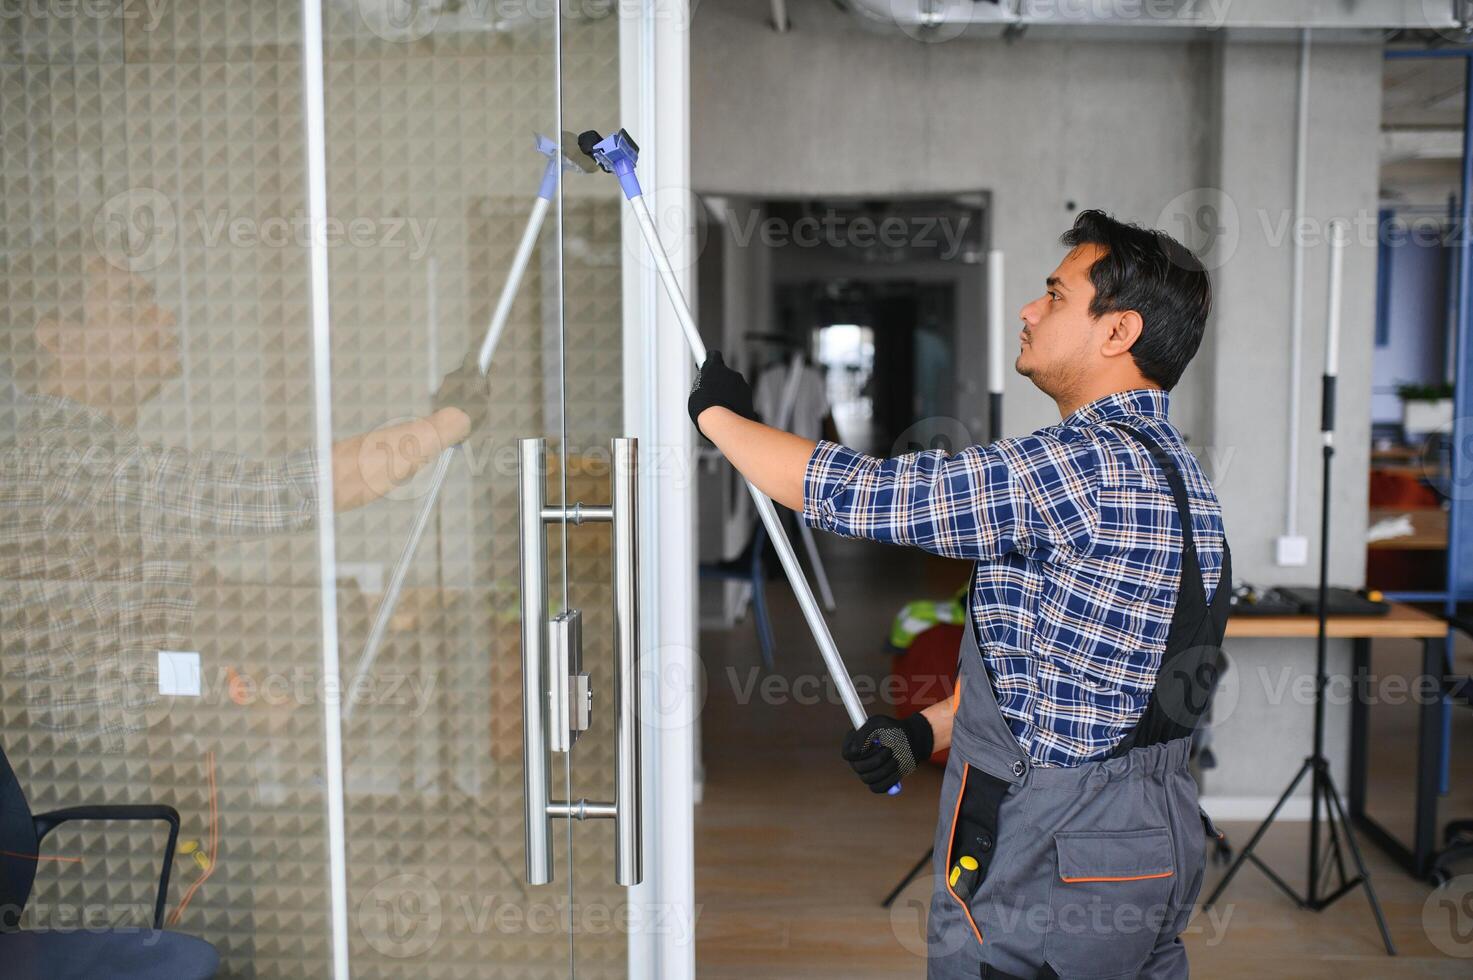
(429, 149)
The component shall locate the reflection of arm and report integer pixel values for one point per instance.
(180, 494)
(367, 466)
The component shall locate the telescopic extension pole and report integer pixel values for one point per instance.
(618, 155)
(557, 159)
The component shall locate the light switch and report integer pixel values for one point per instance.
(179, 673)
(1291, 551)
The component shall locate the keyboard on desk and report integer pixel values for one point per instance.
(1249, 600)
(1294, 600)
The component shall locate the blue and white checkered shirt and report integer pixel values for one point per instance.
(1078, 558)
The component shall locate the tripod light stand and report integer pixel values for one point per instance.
(1324, 796)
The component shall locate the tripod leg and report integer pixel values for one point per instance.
(1257, 834)
(820, 574)
(909, 877)
(1333, 796)
(1334, 850)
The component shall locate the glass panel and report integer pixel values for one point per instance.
(158, 490)
(593, 260)
(430, 154)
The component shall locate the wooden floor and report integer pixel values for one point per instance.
(793, 855)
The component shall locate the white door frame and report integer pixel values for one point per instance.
(654, 105)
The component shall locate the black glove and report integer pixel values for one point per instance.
(719, 386)
(466, 388)
(885, 751)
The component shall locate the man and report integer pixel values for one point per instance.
(1070, 842)
(99, 530)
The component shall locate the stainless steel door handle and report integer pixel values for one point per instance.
(563, 693)
(532, 483)
(628, 801)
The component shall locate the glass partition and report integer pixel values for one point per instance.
(593, 262)
(161, 625)
(161, 585)
(441, 126)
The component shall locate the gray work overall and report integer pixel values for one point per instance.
(1089, 871)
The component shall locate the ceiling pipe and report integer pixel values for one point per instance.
(1292, 548)
(780, 16)
(994, 17)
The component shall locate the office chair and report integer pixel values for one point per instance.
(84, 952)
(750, 567)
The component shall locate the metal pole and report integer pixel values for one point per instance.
(1318, 785)
(513, 282)
(1296, 293)
(765, 509)
(494, 330)
(1463, 386)
(995, 347)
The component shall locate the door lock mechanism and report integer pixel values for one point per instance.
(570, 697)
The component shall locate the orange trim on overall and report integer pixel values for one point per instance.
(1163, 874)
(951, 837)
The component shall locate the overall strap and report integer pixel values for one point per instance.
(1191, 569)
(1193, 659)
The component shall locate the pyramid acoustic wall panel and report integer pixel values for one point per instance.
(158, 486)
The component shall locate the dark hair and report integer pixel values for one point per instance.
(1158, 277)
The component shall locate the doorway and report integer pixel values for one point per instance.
(883, 300)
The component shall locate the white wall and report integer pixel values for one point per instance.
(829, 109)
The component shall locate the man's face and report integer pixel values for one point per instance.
(125, 338)
(1059, 345)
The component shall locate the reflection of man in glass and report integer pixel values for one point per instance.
(98, 529)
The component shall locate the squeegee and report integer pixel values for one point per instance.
(618, 154)
(558, 161)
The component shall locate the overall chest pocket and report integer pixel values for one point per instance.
(1109, 901)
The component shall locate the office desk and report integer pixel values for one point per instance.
(1429, 529)
(1404, 623)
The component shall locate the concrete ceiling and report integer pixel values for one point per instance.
(1421, 129)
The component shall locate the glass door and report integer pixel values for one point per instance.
(441, 125)
(593, 263)
(160, 628)
(475, 583)
(172, 588)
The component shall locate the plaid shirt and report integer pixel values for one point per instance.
(1078, 558)
(98, 535)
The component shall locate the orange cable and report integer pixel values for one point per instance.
(214, 845)
(41, 857)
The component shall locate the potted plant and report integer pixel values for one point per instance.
(1426, 407)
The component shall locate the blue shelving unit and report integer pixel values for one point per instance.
(1459, 580)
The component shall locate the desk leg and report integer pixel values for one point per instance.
(1429, 752)
(1417, 859)
(1360, 723)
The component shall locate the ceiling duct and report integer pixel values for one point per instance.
(1162, 19)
